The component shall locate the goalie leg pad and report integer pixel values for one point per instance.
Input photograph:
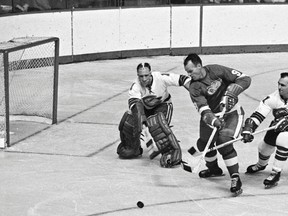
(172, 157)
(165, 140)
(130, 144)
(126, 126)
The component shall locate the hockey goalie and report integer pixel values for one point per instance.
(150, 106)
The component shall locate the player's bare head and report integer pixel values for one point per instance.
(193, 66)
(194, 58)
(144, 74)
(283, 85)
(141, 66)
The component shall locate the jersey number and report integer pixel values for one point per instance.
(237, 73)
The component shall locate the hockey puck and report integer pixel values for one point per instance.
(140, 204)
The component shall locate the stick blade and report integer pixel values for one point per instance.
(186, 167)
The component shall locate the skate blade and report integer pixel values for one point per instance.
(237, 193)
(271, 186)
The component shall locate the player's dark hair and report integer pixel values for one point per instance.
(143, 65)
(194, 58)
(284, 74)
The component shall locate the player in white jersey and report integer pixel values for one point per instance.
(150, 104)
(277, 102)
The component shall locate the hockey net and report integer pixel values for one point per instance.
(28, 82)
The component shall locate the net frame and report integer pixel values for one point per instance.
(17, 44)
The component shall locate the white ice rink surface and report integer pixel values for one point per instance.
(72, 169)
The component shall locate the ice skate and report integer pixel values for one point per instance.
(236, 185)
(211, 173)
(272, 180)
(255, 168)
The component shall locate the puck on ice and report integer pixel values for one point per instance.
(140, 204)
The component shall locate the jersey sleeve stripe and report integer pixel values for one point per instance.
(258, 117)
(183, 79)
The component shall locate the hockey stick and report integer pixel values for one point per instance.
(188, 168)
(195, 169)
(239, 138)
(185, 165)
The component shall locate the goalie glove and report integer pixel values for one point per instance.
(230, 98)
(249, 128)
(151, 101)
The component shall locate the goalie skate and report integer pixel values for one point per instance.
(272, 180)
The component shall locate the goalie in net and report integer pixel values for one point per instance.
(150, 106)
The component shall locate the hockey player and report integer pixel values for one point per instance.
(214, 87)
(150, 104)
(277, 102)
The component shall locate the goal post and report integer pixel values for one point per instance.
(28, 82)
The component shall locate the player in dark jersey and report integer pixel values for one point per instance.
(214, 87)
(277, 102)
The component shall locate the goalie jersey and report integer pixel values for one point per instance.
(158, 87)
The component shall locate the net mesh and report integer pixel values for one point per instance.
(31, 80)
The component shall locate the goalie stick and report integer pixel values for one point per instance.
(189, 168)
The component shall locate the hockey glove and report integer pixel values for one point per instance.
(151, 101)
(230, 98)
(209, 118)
(282, 125)
(280, 113)
(248, 129)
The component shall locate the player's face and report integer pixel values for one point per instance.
(283, 87)
(144, 76)
(195, 71)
